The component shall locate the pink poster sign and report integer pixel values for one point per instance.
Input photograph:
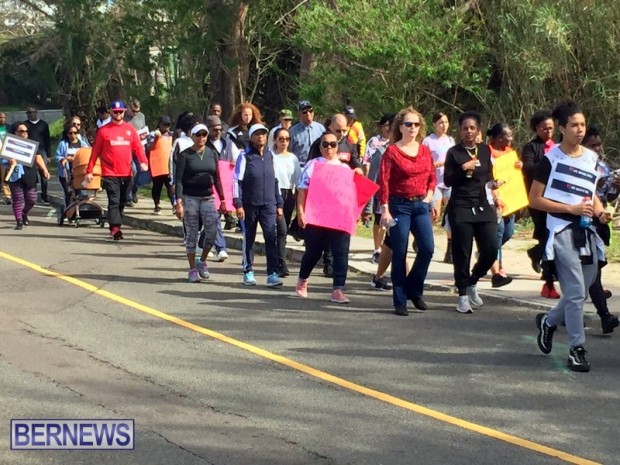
(226, 176)
(336, 197)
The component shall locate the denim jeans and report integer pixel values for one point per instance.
(505, 230)
(412, 216)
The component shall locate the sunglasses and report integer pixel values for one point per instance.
(118, 112)
(201, 134)
(22, 131)
(305, 112)
(332, 144)
(284, 139)
(72, 132)
(408, 124)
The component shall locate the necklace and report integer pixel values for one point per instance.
(472, 151)
(201, 153)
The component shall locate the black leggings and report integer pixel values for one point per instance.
(158, 183)
(465, 228)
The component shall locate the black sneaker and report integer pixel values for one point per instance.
(25, 220)
(284, 272)
(534, 259)
(498, 280)
(19, 225)
(328, 271)
(375, 257)
(380, 284)
(609, 322)
(545, 333)
(577, 360)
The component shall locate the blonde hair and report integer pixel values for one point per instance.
(398, 120)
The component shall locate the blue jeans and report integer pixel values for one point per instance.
(505, 230)
(413, 216)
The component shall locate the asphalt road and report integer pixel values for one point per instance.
(218, 373)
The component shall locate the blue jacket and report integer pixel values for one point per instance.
(254, 181)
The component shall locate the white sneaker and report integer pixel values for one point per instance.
(222, 256)
(211, 254)
(463, 305)
(474, 298)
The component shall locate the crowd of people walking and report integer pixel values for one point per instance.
(262, 176)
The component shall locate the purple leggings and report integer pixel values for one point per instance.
(23, 199)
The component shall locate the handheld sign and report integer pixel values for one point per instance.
(159, 156)
(513, 192)
(226, 171)
(336, 197)
(21, 150)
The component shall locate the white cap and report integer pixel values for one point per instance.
(198, 128)
(257, 127)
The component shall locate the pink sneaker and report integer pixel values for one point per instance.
(302, 288)
(338, 297)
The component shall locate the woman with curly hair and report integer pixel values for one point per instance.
(245, 115)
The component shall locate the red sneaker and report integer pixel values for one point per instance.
(549, 292)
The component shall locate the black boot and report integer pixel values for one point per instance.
(608, 323)
(19, 225)
(447, 258)
(25, 221)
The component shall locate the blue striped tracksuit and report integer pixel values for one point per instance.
(256, 190)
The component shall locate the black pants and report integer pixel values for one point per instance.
(283, 224)
(266, 215)
(597, 294)
(65, 189)
(158, 183)
(467, 225)
(116, 188)
(316, 237)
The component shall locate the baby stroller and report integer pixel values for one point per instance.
(83, 205)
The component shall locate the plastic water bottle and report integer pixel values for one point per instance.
(392, 222)
(584, 220)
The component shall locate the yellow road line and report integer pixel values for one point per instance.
(483, 430)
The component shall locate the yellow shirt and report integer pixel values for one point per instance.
(356, 136)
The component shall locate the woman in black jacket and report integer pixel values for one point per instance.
(472, 215)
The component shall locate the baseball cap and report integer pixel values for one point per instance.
(349, 111)
(286, 114)
(213, 120)
(165, 120)
(304, 104)
(118, 105)
(257, 127)
(199, 127)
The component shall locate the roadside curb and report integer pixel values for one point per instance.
(294, 254)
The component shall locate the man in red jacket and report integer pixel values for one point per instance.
(115, 143)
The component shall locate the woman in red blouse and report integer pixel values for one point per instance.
(407, 183)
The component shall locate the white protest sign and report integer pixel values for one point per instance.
(21, 150)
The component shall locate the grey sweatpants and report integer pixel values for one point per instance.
(575, 279)
(196, 209)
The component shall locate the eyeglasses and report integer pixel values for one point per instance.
(309, 110)
(408, 124)
(284, 139)
(332, 144)
(201, 134)
(72, 132)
